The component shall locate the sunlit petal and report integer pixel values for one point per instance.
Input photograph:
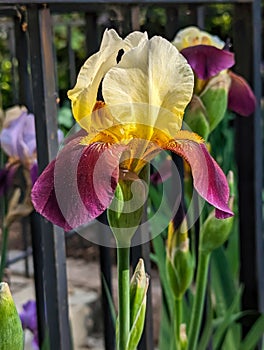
(240, 98)
(152, 83)
(208, 178)
(192, 36)
(84, 94)
(79, 184)
(134, 39)
(207, 61)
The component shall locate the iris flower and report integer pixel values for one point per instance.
(18, 141)
(211, 62)
(145, 86)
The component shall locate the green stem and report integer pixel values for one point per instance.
(123, 296)
(198, 306)
(3, 252)
(177, 322)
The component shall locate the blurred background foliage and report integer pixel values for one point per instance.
(217, 20)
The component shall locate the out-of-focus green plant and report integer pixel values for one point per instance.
(217, 291)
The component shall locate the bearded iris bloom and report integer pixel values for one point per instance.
(144, 98)
(18, 141)
(211, 63)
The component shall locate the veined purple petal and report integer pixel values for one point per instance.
(208, 178)
(79, 184)
(241, 98)
(207, 61)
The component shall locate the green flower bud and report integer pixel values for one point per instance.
(138, 301)
(215, 97)
(214, 232)
(11, 332)
(126, 210)
(183, 336)
(195, 117)
(179, 261)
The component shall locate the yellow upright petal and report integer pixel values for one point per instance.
(151, 85)
(192, 36)
(84, 94)
(134, 39)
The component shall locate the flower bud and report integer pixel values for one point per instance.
(195, 117)
(179, 261)
(126, 210)
(11, 333)
(215, 98)
(214, 232)
(138, 300)
(183, 336)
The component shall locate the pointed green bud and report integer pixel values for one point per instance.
(183, 336)
(214, 232)
(138, 301)
(215, 98)
(11, 332)
(126, 210)
(179, 261)
(195, 117)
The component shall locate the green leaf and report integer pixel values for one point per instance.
(254, 335)
(228, 319)
(109, 299)
(222, 281)
(208, 327)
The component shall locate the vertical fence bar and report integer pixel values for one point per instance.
(53, 245)
(247, 39)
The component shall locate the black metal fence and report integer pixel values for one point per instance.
(30, 39)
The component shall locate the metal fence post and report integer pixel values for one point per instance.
(53, 246)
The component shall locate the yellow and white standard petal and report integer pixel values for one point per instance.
(192, 36)
(84, 94)
(151, 85)
(134, 39)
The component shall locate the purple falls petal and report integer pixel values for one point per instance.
(79, 184)
(241, 98)
(207, 61)
(208, 178)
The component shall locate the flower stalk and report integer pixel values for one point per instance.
(123, 296)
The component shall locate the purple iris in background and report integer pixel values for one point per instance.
(18, 141)
(29, 321)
